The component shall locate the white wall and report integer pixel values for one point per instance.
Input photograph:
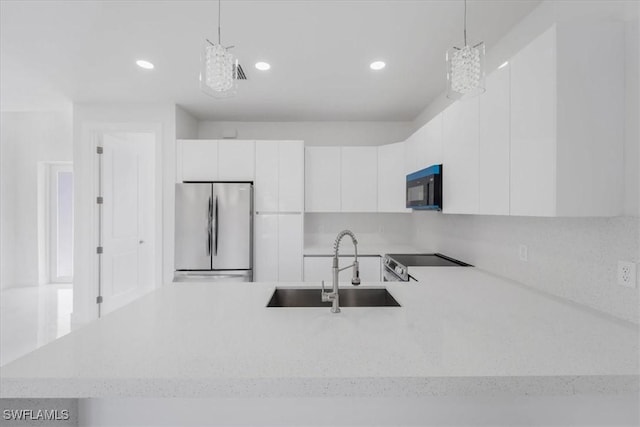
(159, 118)
(26, 139)
(312, 133)
(186, 124)
(572, 258)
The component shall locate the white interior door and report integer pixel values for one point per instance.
(128, 219)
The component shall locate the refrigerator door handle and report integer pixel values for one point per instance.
(216, 226)
(209, 213)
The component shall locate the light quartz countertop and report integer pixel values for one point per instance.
(460, 331)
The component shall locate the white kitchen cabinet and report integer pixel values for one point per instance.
(236, 160)
(567, 122)
(266, 191)
(359, 179)
(319, 268)
(266, 261)
(291, 176)
(279, 182)
(460, 158)
(494, 141)
(424, 147)
(278, 247)
(322, 179)
(290, 238)
(196, 160)
(392, 178)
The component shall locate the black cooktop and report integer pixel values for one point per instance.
(426, 260)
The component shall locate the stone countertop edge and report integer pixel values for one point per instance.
(359, 387)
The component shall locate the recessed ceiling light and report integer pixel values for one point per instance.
(504, 64)
(262, 66)
(144, 64)
(377, 65)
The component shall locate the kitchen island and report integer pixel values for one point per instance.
(459, 331)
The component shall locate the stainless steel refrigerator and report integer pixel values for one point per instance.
(214, 231)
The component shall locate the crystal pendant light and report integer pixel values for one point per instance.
(218, 68)
(465, 68)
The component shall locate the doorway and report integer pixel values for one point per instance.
(126, 217)
(60, 222)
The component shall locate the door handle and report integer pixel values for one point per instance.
(216, 226)
(209, 213)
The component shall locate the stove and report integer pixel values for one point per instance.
(396, 266)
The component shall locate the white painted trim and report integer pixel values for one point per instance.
(86, 220)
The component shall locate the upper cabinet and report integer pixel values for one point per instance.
(236, 160)
(359, 179)
(391, 178)
(547, 136)
(322, 179)
(279, 176)
(341, 179)
(197, 160)
(460, 158)
(493, 144)
(214, 160)
(567, 122)
(425, 147)
(291, 176)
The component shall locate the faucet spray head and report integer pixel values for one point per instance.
(355, 280)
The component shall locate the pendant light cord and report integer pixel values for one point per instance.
(219, 39)
(465, 22)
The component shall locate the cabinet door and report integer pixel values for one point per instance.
(290, 247)
(322, 179)
(236, 160)
(493, 198)
(433, 140)
(533, 128)
(391, 178)
(197, 160)
(359, 189)
(266, 248)
(291, 176)
(460, 158)
(266, 181)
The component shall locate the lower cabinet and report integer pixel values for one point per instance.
(318, 268)
(278, 247)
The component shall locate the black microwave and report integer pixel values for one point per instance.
(424, 189)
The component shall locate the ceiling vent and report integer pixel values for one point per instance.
(241, 74)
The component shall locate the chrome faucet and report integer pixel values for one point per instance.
(334, 296)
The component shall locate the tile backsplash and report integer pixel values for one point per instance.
(370, 228)
(573, 258)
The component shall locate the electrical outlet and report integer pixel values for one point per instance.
(627, 274)
(523, 253)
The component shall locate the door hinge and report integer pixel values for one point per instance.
(99, 200)
(99, 299)
(99, 250)
(99, 150)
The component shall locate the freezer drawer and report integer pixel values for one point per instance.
(214, 276)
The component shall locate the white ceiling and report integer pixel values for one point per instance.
(74, 51)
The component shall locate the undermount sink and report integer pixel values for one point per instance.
(350, 297)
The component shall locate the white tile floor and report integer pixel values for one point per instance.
(33, 316)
